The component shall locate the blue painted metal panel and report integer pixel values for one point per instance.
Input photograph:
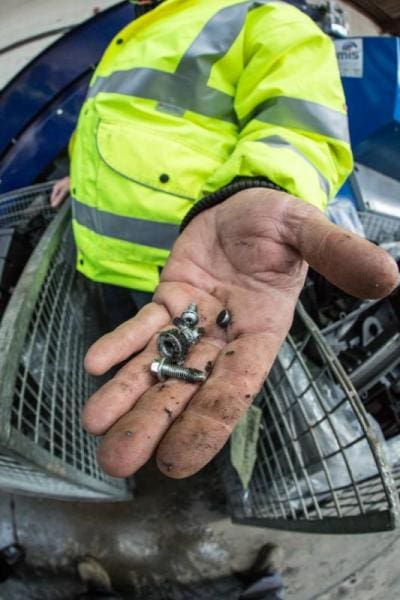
(371, 99)
(374, 106)
(44, 139)
(56, 68)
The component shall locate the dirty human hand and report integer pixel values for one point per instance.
(249, 255)
(59, 192)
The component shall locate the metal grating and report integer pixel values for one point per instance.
(319, 464)
(19, 208)
(18, 476)
(380, 228)
(51, 319)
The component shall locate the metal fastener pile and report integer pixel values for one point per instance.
(173, 346)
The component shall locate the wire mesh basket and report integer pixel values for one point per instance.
(52, 317)
(319, 465)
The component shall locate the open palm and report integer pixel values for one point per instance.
(249, 255)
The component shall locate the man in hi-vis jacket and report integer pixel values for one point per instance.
(213, 135)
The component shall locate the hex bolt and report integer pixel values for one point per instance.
(164, 370)
(224, 318)
(190, 315)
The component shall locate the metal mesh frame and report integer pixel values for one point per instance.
(380, 228)
(20, 206)
(52, 317)
(313, 472)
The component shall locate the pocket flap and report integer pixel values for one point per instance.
(154, 160)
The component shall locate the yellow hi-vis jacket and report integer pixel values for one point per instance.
(186, 98)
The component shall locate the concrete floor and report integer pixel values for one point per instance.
(179, 531)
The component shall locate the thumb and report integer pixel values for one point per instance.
(350, 262)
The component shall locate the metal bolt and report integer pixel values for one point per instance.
(190, 315)
(163, 370)
(224, 318)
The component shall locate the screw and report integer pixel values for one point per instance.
(191, 334)
(190, 315)
(224, 318)
(163, 370)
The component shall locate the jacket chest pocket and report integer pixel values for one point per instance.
(154, 160)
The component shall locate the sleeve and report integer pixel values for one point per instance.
(71, 144)
(291, 108)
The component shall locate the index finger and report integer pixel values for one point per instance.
(206, 424)
(127, 339)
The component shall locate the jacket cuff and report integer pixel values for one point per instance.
(237, 185)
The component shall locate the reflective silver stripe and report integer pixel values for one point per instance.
(277, 140)
(293, 113)
(128, 229)
(214, 41)
(187, 88)
(172, 90)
